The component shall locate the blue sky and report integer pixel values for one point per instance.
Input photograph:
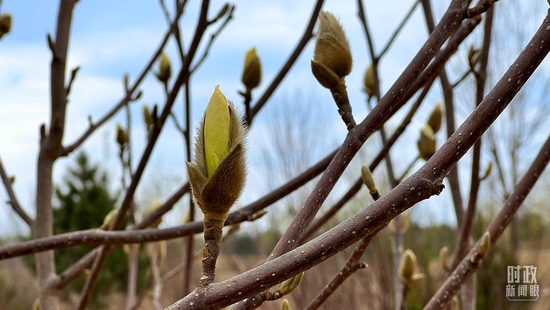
(111, 38)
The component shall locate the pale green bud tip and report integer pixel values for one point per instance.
(217, 124)
(408, 268)
(285, 305)
(5, 23)
(289, 285)
(109, 219)
(485, 244)
(252, 71)
(444, 257)
(366, 176)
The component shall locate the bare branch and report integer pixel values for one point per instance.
(128, 96)
(13, 199)
(469, 264)
(308, 34)
(421, 185)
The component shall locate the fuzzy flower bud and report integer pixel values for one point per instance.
(368, 81)
(252, 71)
(5, 23)
(121, 136)
(408, 268)
(436, 117)
(332, 59)
(366, 176)
(147, 116)
(426, 142)
(217, 172)
(165, 69)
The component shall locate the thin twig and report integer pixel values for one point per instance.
(212, 39)
(448, 97)
(307, 35)
(127, 97)
(351, 265)
(466, 226)
(14, 202)
(398, 29)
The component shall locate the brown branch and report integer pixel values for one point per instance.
(183, 77)
(396, 97)
(137, 235)
(481, 76)
(308, 34)
(14, 202)
(421, 185)
(448, 97)
(189, 259)
(469, 265)
(351, 265)
(379, 157)
(388, 105)
(50, 146)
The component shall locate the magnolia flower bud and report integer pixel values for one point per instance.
(5, 23)
(147, 116)
(487, 171)
(165, 69)
(109, 219)
(366, 176)
(426, 142)
(436, 117)
(408, 268)
(121, 136)
(444, 258)
(252, 71)
(289, 285)
(332, 59)
(368, 81)
(217, 172)
(485, 244)
(285, 305)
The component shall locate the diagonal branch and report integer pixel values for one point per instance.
(13, 199)
(421, 185)
(128, 97)
(308, 34)
(466, 268)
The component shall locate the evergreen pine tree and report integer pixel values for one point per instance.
(82, 202)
